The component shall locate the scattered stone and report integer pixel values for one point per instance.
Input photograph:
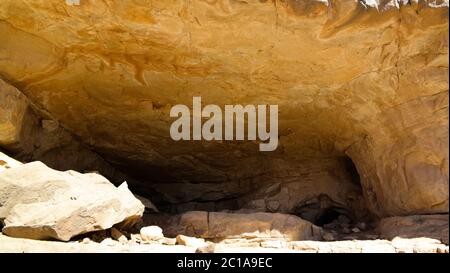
(355, 230)
(86, 240)
(310, 246)
(190, 241)
(417, 245)
(108, 242)
(221, 225)
(399, 245)
(135, 238)
(206, 249)
(242, 242)
(442, 249)
(151, 233)
(118, 236)
(273, 244)
(169, 241)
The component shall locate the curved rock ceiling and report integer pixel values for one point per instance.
(363, 79)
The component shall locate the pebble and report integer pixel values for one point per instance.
(151, 233)
(190, 241)
(356, 230)
(206, 249)
(169, 241)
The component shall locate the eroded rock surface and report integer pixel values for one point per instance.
(415, 226)
(367, 79)
(29, 135)
(40, 203)
(220, 226)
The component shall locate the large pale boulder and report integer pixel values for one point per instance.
(40, 203)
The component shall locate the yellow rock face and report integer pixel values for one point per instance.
(13, 108)
(350, 78)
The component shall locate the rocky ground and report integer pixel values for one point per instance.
(398, 245)
(44, 210)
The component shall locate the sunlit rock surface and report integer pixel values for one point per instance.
(364, 79)
(420, 245)
(40, 203)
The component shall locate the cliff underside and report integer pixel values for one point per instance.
(361, 88)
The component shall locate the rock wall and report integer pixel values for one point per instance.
(367, 79)
(404, 164)
(30, 135)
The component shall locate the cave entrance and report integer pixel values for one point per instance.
(337, 203)
(319, 212)
(323, 211)
(327, 216)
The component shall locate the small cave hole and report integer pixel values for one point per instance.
(323, 216)
(327, 216)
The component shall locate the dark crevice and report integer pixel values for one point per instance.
(327, 216)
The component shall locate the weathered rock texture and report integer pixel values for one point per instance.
(420, 245)
(415, 226)
(40, 203)
(364, 79)
(220, 226)
(29, 137)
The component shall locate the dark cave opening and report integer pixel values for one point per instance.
(325, 212)
(322, 209)
(321, 215)
(326, 217)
